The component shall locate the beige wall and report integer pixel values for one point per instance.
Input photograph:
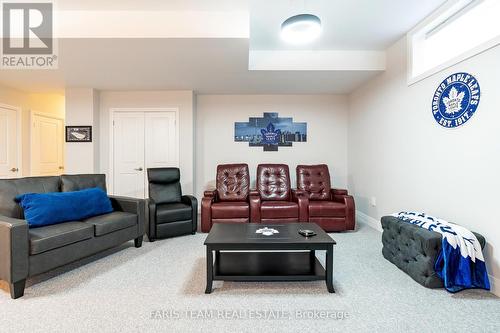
(380, 142)
(401, 156)
(81, 110)
(326, 117)
(183, 100)
(47, 103)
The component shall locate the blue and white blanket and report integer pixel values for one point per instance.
(460, 264)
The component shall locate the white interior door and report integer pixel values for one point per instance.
(128, 150)
(161, 140)
(46, 146)
(141, 140)
(9, 144)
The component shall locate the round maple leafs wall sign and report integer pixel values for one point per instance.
(456, 100)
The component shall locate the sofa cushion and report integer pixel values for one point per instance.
(233, 182)
(10, 188)
(279, 209)
(41, 209)
(326, 209)
(314, 180)
(164, 185)
(173, 212)
(105, 224)
(174, 228)
(229, 210)
(70, 183)
(273, 182)
(54, 236)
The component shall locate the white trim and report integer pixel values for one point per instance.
(44, 114)
(417, 30)
(494, 285)
(463, 6)
(368, 220)
(161, 22)
(112, 112)
(458, 59)
(19, 137)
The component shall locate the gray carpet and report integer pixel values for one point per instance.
(121, 292)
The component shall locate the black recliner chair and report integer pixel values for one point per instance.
(170, 213)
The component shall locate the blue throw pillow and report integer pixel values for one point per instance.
(41, 209)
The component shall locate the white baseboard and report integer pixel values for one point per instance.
(373, 223)
(368, 220)
(494, 285)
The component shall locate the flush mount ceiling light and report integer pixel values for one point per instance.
(301, 29)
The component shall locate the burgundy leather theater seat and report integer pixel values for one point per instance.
(229, 201)
(332, 209)
(326, 209)
(230, 210)
(279, 209)
(274, 200)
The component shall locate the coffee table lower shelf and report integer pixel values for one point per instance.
(267, 266)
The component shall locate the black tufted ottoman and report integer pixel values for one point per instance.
(414, 250)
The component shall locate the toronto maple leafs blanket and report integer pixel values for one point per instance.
(460, 264)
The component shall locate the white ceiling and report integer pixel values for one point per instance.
(347, 24)
(204, 65)
(221, 65)
(145, 5)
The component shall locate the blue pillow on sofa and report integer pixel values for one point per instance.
(41, 209)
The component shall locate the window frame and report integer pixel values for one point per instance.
(422, 29)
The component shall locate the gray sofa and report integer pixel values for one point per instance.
(414, 250)
(26, 252)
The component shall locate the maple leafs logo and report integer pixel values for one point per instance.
(270, 135)
(453, 102)
(267, 231)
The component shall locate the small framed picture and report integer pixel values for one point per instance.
(78, 133)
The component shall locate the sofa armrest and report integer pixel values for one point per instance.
(338, 194)
(126, 204)
(190, 200)
(133, 206)
(254, 199)
(14, 249)
(206, 209)
(300, 197)
(342, 196)
(210, 194)
(193, 202)
(151, 225)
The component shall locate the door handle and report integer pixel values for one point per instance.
(61, 168)
(138, 169)
(14, 169)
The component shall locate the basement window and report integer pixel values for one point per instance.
(456, 31)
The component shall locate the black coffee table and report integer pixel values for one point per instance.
(241, 254)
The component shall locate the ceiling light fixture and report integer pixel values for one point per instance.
(301, 29)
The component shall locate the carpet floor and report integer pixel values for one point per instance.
(160, 288)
